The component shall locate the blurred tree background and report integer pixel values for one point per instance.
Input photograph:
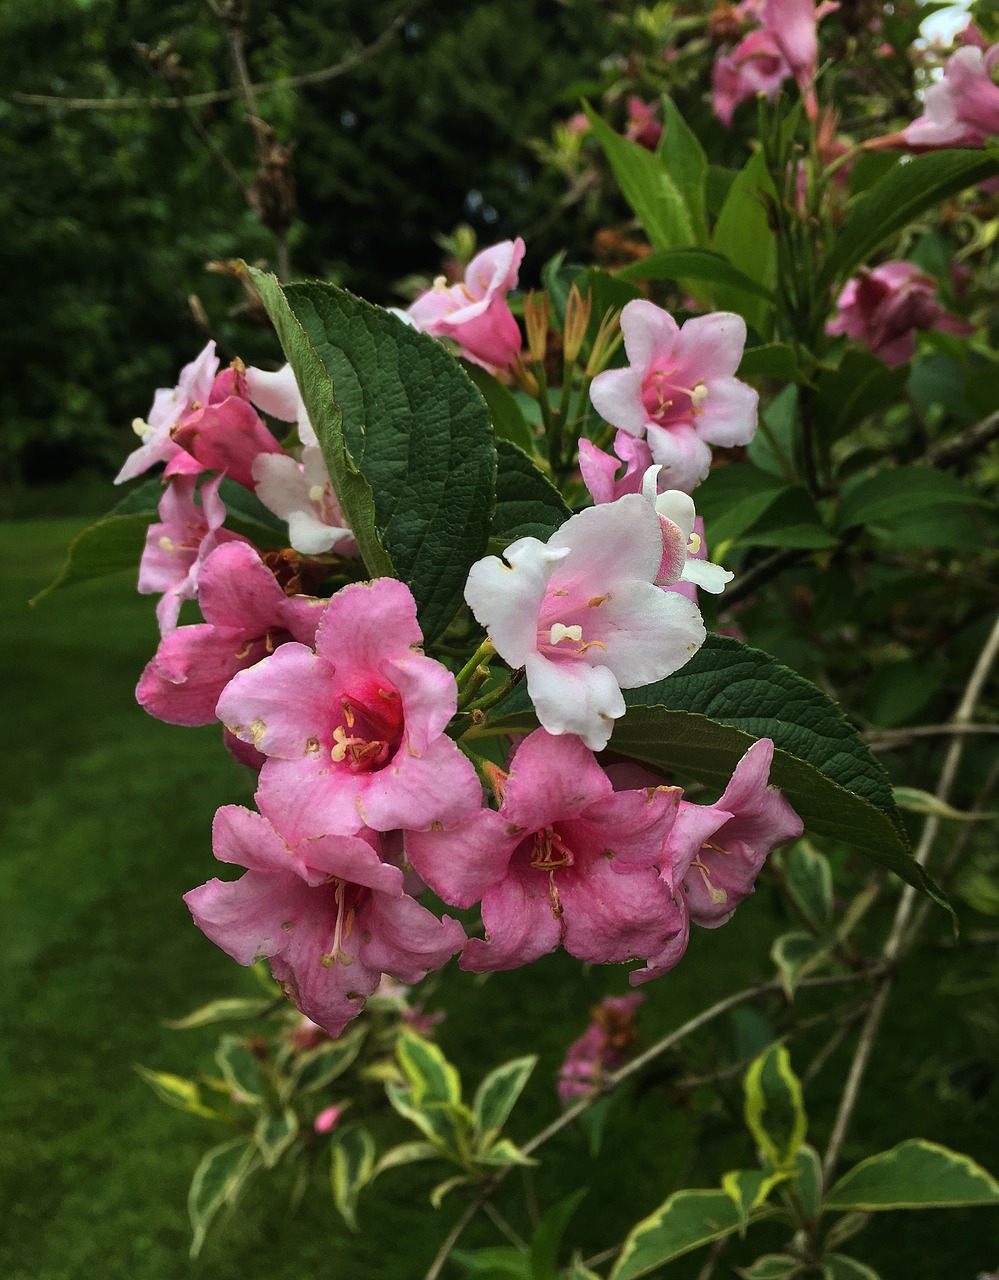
(113, 215)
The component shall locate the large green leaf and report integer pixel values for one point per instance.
(693, 264)
(906, 191)
(861, 385)
(410, 422)
(914, 1175)
(113, 544)
(683, 156)
(507, 417)
(647, 187)
(432, 1078)
(700, 721)
(742, 234)
(900, 491)
(685, 1221)
(527, 503)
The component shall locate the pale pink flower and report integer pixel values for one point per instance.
(642, 126)
(170, 406)
(961, 108)
(755, 66)
(226, 433)
(679, 390)
(716, 851)
(599, 469)
(301, 494)
(180, 542)
(601, 1048)
(566, 861)
(792, 24)
(970, 34)
(583, 615)
(360, 721)
(247, 615)
(324, 909)
(884, 307)
(475, 313)
(277, 394)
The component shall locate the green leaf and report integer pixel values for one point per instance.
(177, 1092)
(772, 1266)
(687, 1220)
(808, 1181)
(770, 360)
(700, 721)
(232, 1010)
(246, 514)
(315, 383)
(860, 386)
(527, 503)
(239, 1066)
(547, 1238)
(733, 499)
(808, 880)
(431, 1076)
(109, 546)
(500, 1263)
(403, 1154)
(503, 1153)
(446, 1125)
(748, 1189)
(682, 155)
(416, 429)
(219, 1179)
(797, 955)
(647, 187)
(913, 800)
(775, 1109)
(845, 1228)
(905, 192)
(507, 418)
(791, 520)
(274, 1134)
(352, 1162)
(900, 491)
(577, 1271)
(837, 1266)
(497, 1094)
(693, 264)
(914, 1175)
(319, 1067)
(742, 234)
(446, 1187)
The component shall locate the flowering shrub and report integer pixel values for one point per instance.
(464, 652)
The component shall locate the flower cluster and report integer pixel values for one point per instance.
(364, 797)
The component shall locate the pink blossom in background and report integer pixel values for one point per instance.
(679, 390)
(601, 1048)
(970, 34)
(642, 126)
(226, 433)
(359, 721)
(327, 1120)
(180, 542)
(247, 616)
(792, 24)
(583, 615)
(170, 406)
(566, 861)
(716, 851)
(961, 109)
(324, 909)
(475, 313)
(755, 66)
(884, 308)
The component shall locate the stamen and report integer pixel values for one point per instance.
(699, 393)
(597, 601)
(316, 492)
(165, 543)
(717, 895)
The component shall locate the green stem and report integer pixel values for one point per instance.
(483, 654)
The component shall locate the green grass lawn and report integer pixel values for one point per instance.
(107, 823)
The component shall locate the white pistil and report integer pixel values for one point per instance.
(560, 632)
(694, 544)
(142, 429)
(699, 393)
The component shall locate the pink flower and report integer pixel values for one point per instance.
(583, 615)
(566, 861)
(792, 24)
(170, 406)
(883, 309)
(360, 722)
(601, 1048)
(301, 493)
(679, 390)
(755, 66)
(716, 851)
(226, 433)
(961, 108)
(327, 1120)
(327, 912)
(642, 126)
(247, 615)
(599, 469)
(277, 394)
(475, 313)
(178, 545)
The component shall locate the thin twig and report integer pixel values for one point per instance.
(900, 937)
(761, 573)
(502, 1226)
(321, 76)
(886, 739)
(972, 440)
